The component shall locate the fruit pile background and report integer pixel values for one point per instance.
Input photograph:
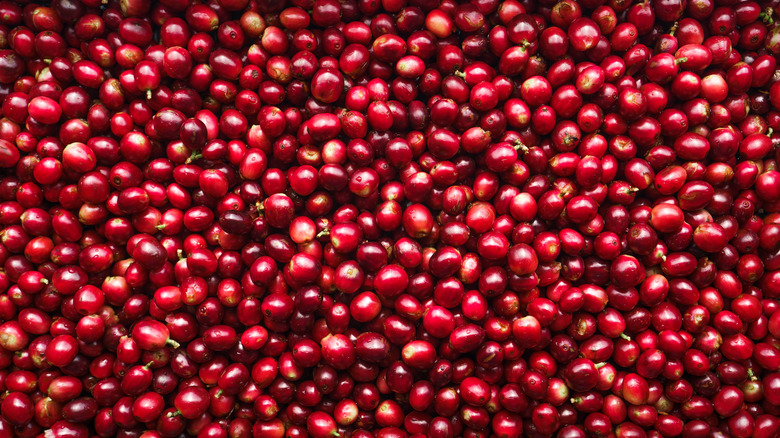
(389, 219)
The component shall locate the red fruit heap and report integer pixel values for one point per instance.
(390, 219)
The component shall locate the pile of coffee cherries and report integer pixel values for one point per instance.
(389, 218)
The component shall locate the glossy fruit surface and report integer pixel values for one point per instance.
(389, 219)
